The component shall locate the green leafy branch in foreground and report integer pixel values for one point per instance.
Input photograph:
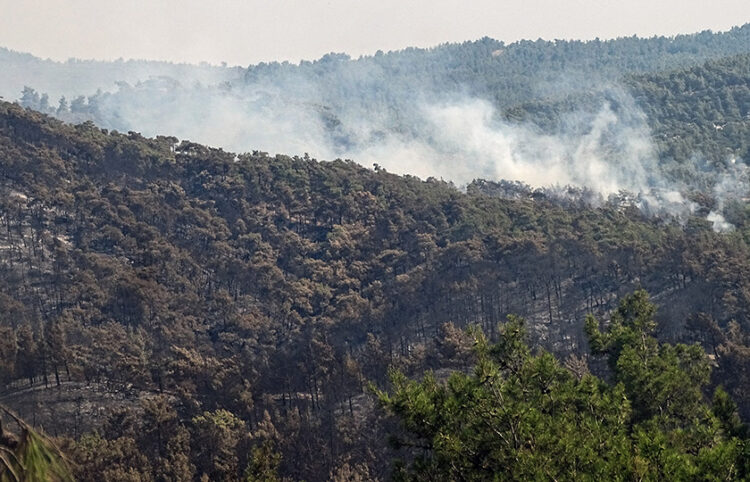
(524, 416)
(30, 456)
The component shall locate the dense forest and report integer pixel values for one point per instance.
(509, 73)
(172, 310)
(525, 417)
(698, 117)
(401, 108)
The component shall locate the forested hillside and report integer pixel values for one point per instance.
(507, 74)
(523, 416)
(703, 111)
(699, 118)
(408, 110)
(173, 310)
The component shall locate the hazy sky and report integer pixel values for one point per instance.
(248, 31)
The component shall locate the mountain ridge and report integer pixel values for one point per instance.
(253, 288)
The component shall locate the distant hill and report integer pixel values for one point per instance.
(700, 113)
(523, 107)
(507, 74)
(84, 77)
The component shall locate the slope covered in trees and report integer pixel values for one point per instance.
(507, 73)
(699, 117)
(703, 111)
(407, 110)
(237, 305)
(526, 417)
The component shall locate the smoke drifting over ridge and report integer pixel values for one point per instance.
(425, 128)
(455, 136)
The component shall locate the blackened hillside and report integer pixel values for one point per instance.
(244, 301)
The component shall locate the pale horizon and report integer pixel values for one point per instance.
(243, 33)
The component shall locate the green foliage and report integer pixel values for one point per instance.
(98, 458)
(30, 456)
(524, 417)
(273, 288)
(264, 464)
(654, 374)
(216, 437)
(699, 113)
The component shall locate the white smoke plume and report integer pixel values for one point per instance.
(733, 184)
(355, 111)
(453, 136)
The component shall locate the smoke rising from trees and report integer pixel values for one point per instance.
(429, 113)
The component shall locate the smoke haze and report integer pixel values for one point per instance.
(453, 136)
(433, 126)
